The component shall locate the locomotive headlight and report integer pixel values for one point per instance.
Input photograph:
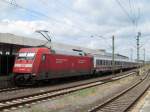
(17, 65)
(33, 74)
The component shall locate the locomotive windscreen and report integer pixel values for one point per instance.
(26, 56)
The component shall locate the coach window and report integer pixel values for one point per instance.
(96, 62)
(106, 62)
(100, 62)
(43, 58)
(109, 62)
(103, 62)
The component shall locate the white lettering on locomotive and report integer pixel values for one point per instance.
(23, 65)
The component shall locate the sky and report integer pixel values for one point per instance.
(85, 23)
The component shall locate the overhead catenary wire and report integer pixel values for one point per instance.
(131, 5)
(137, 12)
(29, 10)
(125, 11)
(144, 43)
(134, 13)
(44, 15)
(131, 8)
(138, 17)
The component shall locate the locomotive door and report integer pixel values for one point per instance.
(72, 66)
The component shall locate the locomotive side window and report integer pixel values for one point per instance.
(43, 58)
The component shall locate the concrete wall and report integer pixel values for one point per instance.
(5, 82)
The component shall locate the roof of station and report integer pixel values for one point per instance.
(26, 41)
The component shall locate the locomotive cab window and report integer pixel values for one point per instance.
(26, 56)
(30, 56)
(21, 56)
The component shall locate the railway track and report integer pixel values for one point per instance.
(11, 89)
(28, 99)
(14, 90)
(125, 99)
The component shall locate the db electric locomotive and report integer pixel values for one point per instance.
(42, 63)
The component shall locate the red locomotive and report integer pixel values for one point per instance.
(34, 64)
(41, 63)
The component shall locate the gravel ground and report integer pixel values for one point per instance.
(80, 100)
(143, 105)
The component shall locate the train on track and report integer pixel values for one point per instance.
(42, 63)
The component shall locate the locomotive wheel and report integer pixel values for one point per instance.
(19, 80)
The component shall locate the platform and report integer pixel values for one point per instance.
(146, 105)
(143, 104)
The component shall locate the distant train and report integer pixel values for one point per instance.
(42, 63)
